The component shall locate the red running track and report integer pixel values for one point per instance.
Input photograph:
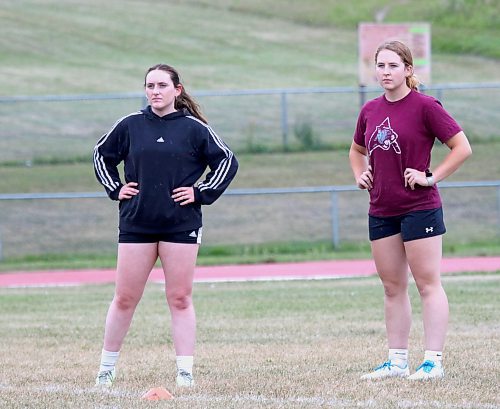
(246, 272)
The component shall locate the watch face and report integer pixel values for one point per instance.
(428, 173)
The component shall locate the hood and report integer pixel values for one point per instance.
(148, 112)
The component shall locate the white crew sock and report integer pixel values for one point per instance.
(184, 363)
(108, 360)
(399, 357)
(434, 356)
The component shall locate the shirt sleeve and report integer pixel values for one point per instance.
(109, 151)
(439, 122)
(359, 132)
(223, 167)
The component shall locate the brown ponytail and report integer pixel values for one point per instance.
(184, 100)
(404, 52)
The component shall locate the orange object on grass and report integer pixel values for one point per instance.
(158, 393)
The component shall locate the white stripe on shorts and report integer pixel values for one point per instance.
(198, 239)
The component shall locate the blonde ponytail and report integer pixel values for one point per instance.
(413, 82)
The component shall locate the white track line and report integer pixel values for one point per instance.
(249, 399)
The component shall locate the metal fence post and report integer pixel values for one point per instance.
(498, 209)
(362, 96)
(284, 120)
(335, 220)
(439, 95)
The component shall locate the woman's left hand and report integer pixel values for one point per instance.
(184, 195)
(414, 177)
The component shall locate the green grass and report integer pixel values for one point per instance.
(292, 169)
(300, 344)
(96, 47)
(34, 133)
(82, 232)
(280, 252)
(212, 255)
(79, 46)
(67, 48)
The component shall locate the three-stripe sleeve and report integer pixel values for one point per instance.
(107, 155)
(223, 167)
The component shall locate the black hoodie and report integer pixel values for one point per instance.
(161, 154)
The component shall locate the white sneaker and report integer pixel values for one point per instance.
(184, 379)
(428, 370)
(105, 378)
(388, 370)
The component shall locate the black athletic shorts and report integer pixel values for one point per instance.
(412, 226)
(188, 237)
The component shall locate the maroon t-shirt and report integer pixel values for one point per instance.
(400, 135)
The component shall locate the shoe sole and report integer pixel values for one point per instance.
(375, 378)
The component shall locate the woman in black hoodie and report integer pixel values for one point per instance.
(165, 149)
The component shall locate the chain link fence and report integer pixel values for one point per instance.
(37, 224)
(55, 128)
(60, 128)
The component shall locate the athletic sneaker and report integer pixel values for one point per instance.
(105, 378)
(428, 370)
(184, 379)
(387, 370)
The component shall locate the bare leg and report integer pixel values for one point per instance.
(135, 261)
(390, 260)
(424, 257)
(178, 262)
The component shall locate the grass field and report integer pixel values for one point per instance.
(66, 48)
(298, 344)
(252, 45)
(293, 169)
(82, 232)
(51, 47)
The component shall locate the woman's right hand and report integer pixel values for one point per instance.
(128, 191)
(365, 180)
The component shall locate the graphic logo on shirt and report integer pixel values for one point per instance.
(384, 138)
(160, 139)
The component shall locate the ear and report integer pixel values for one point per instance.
(178, 90)
(409, 70)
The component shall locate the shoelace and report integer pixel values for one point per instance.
(185, 374)
(426, 366)
(386, 364)
(105, 375)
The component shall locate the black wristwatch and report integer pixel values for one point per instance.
(429, 177)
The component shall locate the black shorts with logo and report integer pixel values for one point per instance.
(412, 226)
(188, 237)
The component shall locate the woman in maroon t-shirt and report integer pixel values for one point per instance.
(390, 157)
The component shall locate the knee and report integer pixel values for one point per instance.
(426, 288)
(179, 300)
(395, 289)
(125, 301)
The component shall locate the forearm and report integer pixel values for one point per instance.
(460, 151)
(358, 161)
(360, 167)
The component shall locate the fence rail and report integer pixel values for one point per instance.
(249, 119)
(337, 216)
